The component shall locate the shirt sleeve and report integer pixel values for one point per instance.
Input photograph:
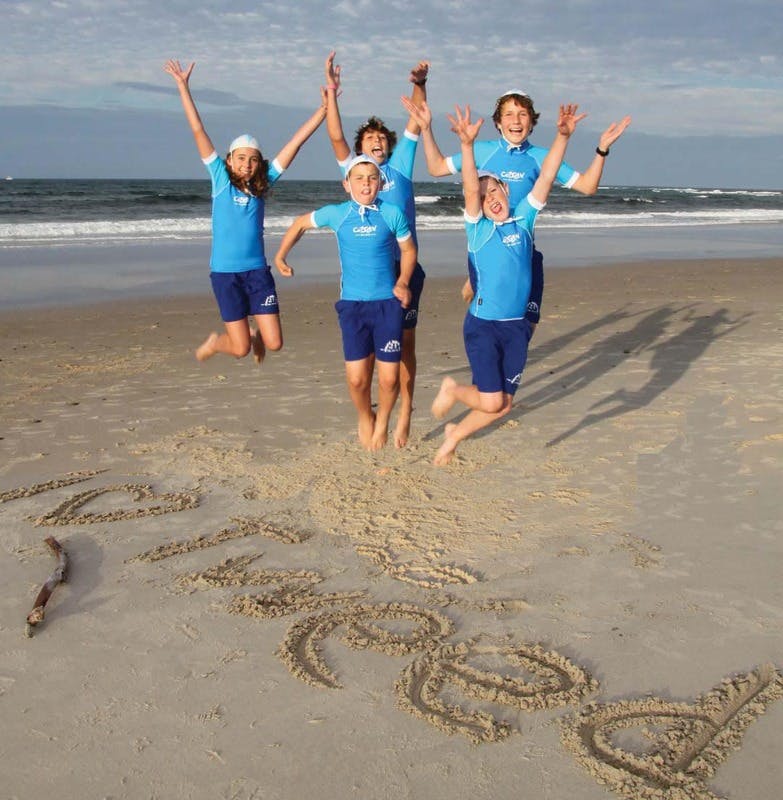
(404, 155)
(218, 173)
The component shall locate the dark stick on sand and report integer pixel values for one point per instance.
(58, 576)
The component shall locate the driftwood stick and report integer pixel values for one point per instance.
(58, 576)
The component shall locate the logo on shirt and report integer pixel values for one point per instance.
(388, 184)
(532, 306)
(365, 230)
(512, 175)
(392, 346)
(241, 199)
(411, 313)
(511, 239)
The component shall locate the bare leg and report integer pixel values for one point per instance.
(268, 337)
(475, 421)
(358, 375)
(388, 389)
(234, 342)
(407, 381)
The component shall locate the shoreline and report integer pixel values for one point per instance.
(47, 276)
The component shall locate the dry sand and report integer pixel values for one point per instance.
(585, 604)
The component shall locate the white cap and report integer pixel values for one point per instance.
(515, 91)
(245, 140)
(362, 159)
(482, 173)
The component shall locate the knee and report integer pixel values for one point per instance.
(358, 383)
(388, 383)
(274, 345)
(496, 405)
(240, 350)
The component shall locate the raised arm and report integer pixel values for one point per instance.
(290, 238)
(436, 161)
(289, 151)
(182, 77)
(587, 182)
(567, 121)
(467, 132)
(418, 78)
(334, 124)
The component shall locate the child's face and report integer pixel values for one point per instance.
(244, 162)
(376, 145)
(494, 200)
(363, 183)
(515, 122)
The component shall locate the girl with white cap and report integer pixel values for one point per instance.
(240, 275)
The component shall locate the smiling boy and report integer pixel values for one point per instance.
(372, 295)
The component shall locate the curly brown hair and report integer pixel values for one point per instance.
(373, 124)
(521, 99)
(258, 184)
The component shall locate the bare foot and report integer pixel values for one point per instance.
(379, 439)
(208, 347)
(366, 428)
(445, 399)
(259, 351)
(447, 449)
(402, 431)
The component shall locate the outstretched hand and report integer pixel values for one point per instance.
(420, 113)
(613, 133)
(568, 119)
(174, 68)
(332, 71)
(463, 127)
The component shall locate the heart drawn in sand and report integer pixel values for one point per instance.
(67, 513)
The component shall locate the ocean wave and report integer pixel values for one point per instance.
(102, 231)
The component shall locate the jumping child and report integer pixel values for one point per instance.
(372, 296)
(395, 161)
(241, 278)
(500, 254)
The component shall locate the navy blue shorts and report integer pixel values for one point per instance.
(244, 294)
(416, 285)
(371, 326)
(497, 352)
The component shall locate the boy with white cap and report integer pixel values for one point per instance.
(241, 278)
(372, 296)
(395, 160)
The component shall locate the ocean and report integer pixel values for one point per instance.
(61, 212)
(72, 242)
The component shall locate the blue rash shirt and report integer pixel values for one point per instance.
(500, 262)
(518, 166)
(367, 239)
(237, 221)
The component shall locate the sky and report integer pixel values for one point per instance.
(83, 93)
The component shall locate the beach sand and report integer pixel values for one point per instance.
(585, 604)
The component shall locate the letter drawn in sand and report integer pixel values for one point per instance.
(301, 653)
(688, 741)
(67, 512)
(557, 682)
(57, 483)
